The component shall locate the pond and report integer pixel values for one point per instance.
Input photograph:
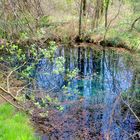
(93, 106)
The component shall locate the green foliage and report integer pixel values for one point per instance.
(50, 51)
(14, 125)
(59, 63)
(126, 39)
(28, 71)
(24, 35)
(106, 3)
(69, 89)
(69, 2)
(71, 74)
(132, 40)
(14, 53)
(18, 55)
(60, 108)
(44, 21)
(45, 103)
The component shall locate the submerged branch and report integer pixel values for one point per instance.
(130, 108)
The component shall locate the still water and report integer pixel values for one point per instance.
(92, 106)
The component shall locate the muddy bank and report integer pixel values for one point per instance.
(76, 41)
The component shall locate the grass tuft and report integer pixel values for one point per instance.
(14, 125)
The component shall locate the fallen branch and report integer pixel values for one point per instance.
(8, 77)
(21, 89)
(9, 93)
(10, 102)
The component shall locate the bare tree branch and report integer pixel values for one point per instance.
(134, 22)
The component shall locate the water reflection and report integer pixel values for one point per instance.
(103, 76)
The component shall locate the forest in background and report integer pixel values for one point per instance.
(91, 20)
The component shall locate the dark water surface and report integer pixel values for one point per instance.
(93, 109)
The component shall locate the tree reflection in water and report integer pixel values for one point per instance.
(99, 113)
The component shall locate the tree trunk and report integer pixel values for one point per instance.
(106, 12)
(99, 9)
(84, 7)
(80, 18)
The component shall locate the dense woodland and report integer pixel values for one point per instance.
(66, 19)
(61, 62)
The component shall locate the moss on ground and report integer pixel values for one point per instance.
(14, 125)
